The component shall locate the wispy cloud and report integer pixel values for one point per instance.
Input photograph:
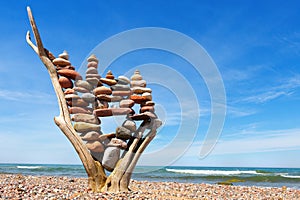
(27, 96)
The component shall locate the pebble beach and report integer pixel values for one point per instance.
(17, 186)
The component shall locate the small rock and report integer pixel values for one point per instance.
(65, 82)
(92, 64)
(109, 75)
(123, 133)
(122, 93)
(102, 90)
(123, 80)
(84, 84)
(76, 110)
(81, 89)
(88, 118)
(140, 83)
(141, 90)
(136, 76)
(90, 136)
(108, 81)
(88, 97)
(93, 58)
(83, 127)
(72, 74)
(95, 146)
(120, 87)
(91, 70)
(126, 103)
(64, 55)
(130, 125)
(110, 158)
(61, 62)
(138, 99)
(147, 108)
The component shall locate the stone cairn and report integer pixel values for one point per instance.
(97, 97)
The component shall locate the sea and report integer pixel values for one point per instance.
(242, 176)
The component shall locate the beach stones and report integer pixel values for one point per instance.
(94, 97)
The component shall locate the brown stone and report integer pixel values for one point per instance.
(79, 103)
(61, 62)
(140, 90)
(72, 74)
(65, 67)
(122, 93)
(115, 142)
(138, 99)
(81, 89)
(108, 98)
(106, 136)
(95, 146)
(75, 110)
(148, 103)
(108, 81)
(143, 116)
(140, 83)
(102, 90)
(111, 111)
(147, 95)
(71, 96)
(109, 75)
(92, 64)
(126, 103)
(83, 127)
(90, 136)
(65, 82)
(147, 108)
(70, 91)
(88, 118)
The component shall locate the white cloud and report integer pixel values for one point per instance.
(27, 96)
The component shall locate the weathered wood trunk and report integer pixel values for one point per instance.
(119, 178)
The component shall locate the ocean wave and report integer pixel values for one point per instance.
(212, 172)
(290, 176)
(29, 167)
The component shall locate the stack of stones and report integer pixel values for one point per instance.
(143, 96)
(97, 97)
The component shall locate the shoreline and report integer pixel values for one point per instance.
(53, 187)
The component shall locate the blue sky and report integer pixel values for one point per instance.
(255, 46)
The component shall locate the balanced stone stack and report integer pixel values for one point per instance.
(97, 97)
(143, 96)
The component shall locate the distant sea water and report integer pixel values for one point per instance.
(265, 177)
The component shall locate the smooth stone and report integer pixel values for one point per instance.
(88, 118)
(70, 91)
(65, 82)
(123, 79)
(65, 67)
(76, 110)
(111, 111)
(79, 103)
(93, 58)
(120, 87)
(93, 81)
(64, 55)
(92, 64)
(88, 97)
(72, 74)
(144, 116)
(109, 75)
(126, 103)
(130, 125)
(110, 158)
(147, 95)
(83, 127)
(91, 70)
(140, 83)
(115, 142)
(136, 76)
(102, 90)
(106, 137)
(93, 76)
(61, 62)
(71, 96)
(81, 89)
(138, 99)
(90, 136)
(108, 81)
(148, 103)
(141, 90)
(84, 84)
(147, 108)
(108, 98)
(95, 146)
(123, 133)
(122, 93)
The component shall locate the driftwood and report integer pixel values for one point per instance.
(98, 181)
